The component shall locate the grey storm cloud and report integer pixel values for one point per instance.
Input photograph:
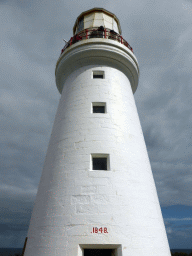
(32, 34)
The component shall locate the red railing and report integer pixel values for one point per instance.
(96, 33)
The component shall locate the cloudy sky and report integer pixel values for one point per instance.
(32, 33)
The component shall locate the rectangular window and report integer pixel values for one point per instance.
(98, 74)
(98, 107)
(99, 252)
(100, 162)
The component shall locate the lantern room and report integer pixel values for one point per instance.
(97, 17)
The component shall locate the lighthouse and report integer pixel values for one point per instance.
(97, 195)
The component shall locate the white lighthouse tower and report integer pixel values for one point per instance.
(97, 195)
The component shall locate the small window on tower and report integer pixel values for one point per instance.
(100, 249)
(100, 162)
(99, 252)
(98, 107)
(98, 74)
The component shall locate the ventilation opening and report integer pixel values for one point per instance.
(98, 74)
(100, 162)
(99, 252)
(98, 107)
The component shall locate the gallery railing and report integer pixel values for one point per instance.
(96, 33)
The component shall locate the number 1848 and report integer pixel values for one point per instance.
(99, 230)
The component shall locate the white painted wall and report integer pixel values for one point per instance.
(72, 199)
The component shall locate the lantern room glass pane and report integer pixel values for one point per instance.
(108, 18)
(80, 25)
(88, 24)
(99, 16)
(89, 17)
